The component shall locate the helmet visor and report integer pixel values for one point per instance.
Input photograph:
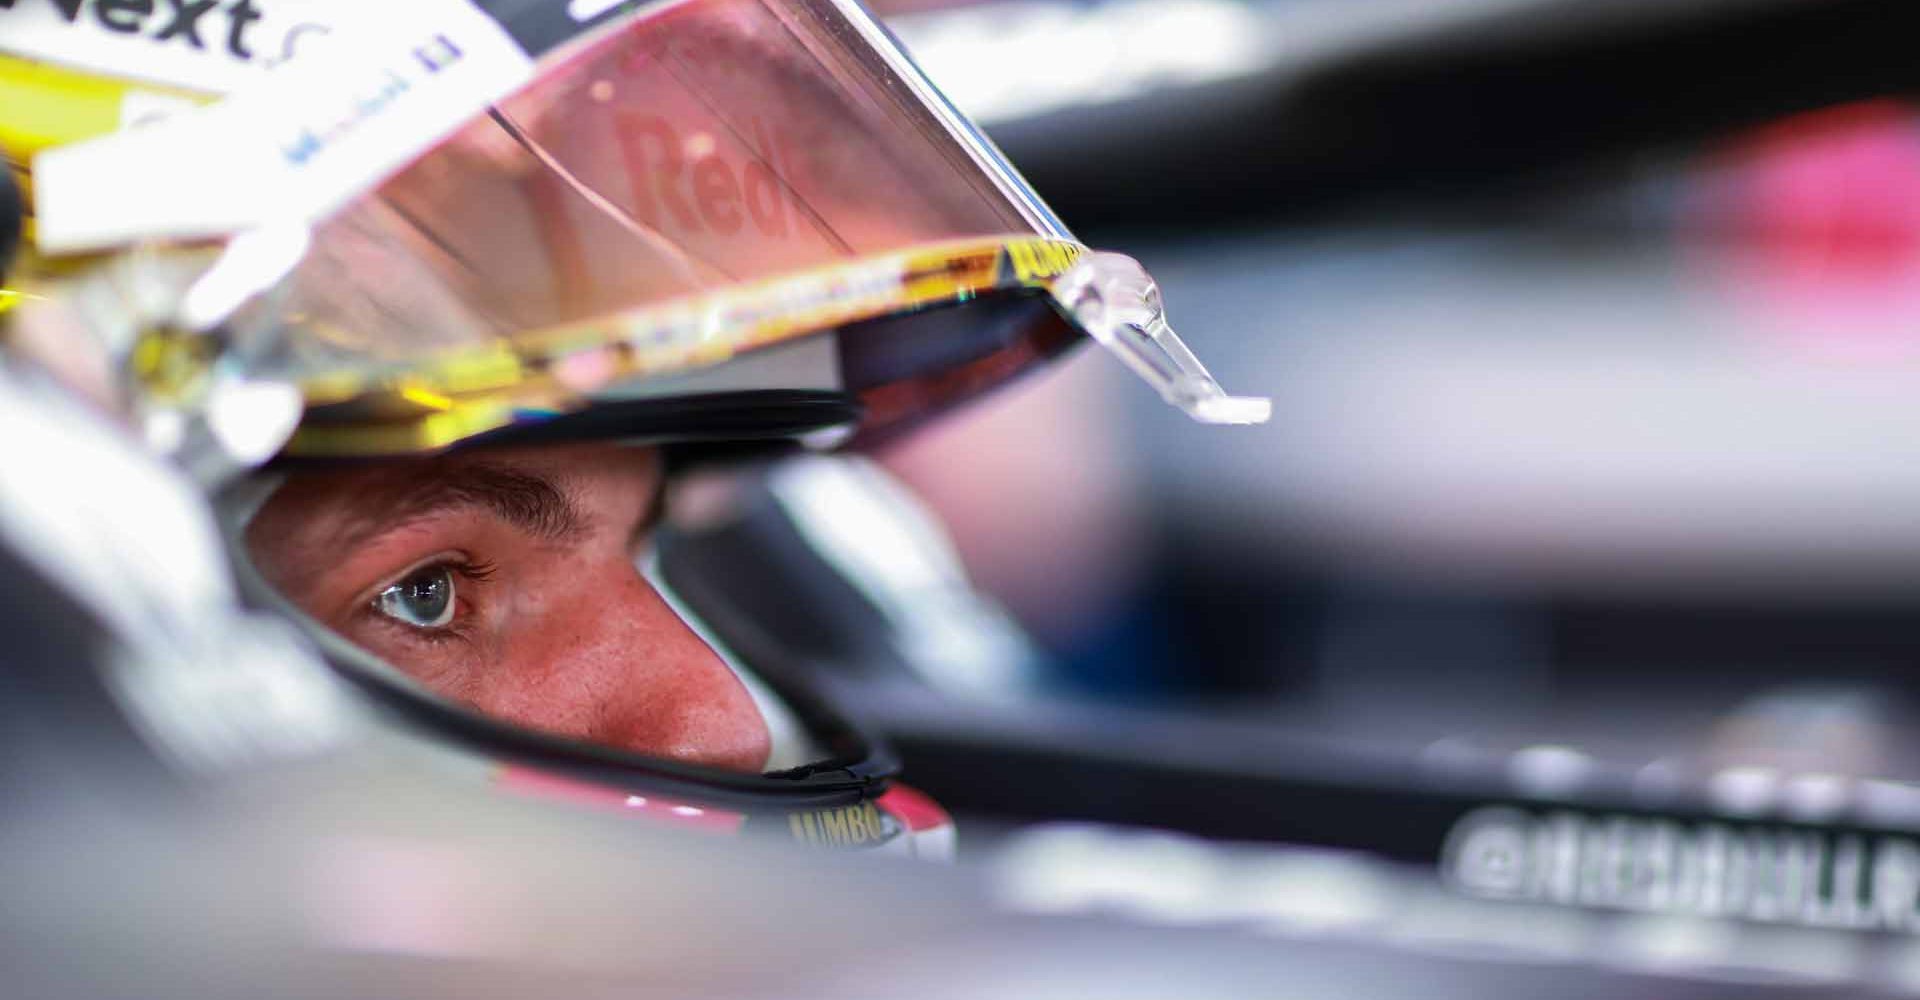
(697, 180)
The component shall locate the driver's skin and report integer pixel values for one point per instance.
(507, 580)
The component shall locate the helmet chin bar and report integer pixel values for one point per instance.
(1117, 303)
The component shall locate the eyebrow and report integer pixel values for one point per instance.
(525, 500)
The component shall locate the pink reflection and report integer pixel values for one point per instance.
(1814, 233)
(701, 145)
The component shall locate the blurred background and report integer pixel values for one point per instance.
(1592, 335)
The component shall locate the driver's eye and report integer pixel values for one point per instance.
(423, 600)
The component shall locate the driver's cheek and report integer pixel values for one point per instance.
(597, 654)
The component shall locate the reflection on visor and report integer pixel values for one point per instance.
(709, 144)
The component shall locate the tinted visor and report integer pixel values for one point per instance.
(695, 181)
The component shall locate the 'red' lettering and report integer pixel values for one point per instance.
(711, 193)
(656, 171)
(719, 198)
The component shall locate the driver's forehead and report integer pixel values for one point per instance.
(550, 491)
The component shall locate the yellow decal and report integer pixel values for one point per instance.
(1037, 260)
(848, 826)
(425, 397)
(50, 106)
(556, 369)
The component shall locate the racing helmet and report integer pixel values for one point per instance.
(709, 226)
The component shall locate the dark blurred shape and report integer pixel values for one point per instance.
(12, 218)
(1338, 107)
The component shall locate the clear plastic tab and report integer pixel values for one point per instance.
(1117, 303)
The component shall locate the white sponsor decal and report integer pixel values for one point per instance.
(214, 46)
(294, 147)
(1812, 877)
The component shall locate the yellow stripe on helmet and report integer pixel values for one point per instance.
(43, 105)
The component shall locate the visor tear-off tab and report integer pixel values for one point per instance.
(1117, 303)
